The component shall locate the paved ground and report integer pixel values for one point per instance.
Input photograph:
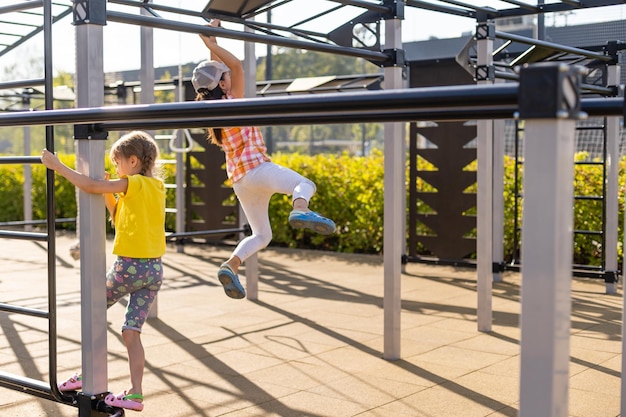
(312, 344)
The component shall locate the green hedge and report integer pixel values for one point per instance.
(349, 190)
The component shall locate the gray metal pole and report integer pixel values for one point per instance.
(394, 204)
(623, 379)
(612, 188)
(498, 196)
(146, 79)
(90, 161)
(549, 144)
(146, 74)
(484, 204)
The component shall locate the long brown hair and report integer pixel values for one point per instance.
(214, 135)
(140, 144)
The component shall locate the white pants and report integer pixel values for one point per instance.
(254, 191)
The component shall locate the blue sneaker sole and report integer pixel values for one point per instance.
(321, 227)
(231, 284)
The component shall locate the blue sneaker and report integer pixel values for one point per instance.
(230, 282)
(311, 220)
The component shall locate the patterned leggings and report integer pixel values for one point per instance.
(141, 278)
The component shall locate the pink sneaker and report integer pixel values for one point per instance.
(127, 401)
(75, 383)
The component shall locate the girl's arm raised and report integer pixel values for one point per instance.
(218, 53)
(85, 183)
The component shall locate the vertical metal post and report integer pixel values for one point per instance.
(623, 375)
(50, 215)
(498, 198)
(146, 79)
(612, 189)
(180, 179)
(541, 23)
(252, 263)
(485, 35)
(28, 179)
(146, 74)
(89, 18)
(550, 103)
(394, 204)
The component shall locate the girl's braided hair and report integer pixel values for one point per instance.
(143, 146)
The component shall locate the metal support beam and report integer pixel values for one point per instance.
(250, 37)
(146, 96)
(484, 197)
(432, 103)
(611, 203)
(90, 161)
(394, 205)
(549, 101)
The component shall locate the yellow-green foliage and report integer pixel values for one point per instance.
(12, 193)
(349, 190)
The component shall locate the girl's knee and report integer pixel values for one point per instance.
(131, 336)
(265, 240)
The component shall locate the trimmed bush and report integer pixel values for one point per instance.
(349, 191)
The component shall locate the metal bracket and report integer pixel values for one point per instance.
(485, 31)
(498, 267)
(94, 406)
(89, 12)
(395, 58)
(396, 10)
(611, 277)
(484, 73)
(89, 131)
(612, 49)
(550, 90)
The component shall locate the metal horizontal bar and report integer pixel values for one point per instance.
(42, 314)
(589, 197)
(522, 5)
(158, 7)
(603, 106)
(382, 115)
(21, 6)
(229, 111)
(558, 7)
(464, 102)
(572, 2)
(204, 233)
(26, 385)
(365, 5)
(469, 6)
(588, 232)
(441, 9)
(160, 23)
(5, 160)
(33, 222)
(555, 46)
(8, 85)
(41, 237)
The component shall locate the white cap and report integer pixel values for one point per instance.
(208, 74)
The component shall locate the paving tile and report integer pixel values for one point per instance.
(312, 344)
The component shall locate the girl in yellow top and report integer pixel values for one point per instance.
(138, 214)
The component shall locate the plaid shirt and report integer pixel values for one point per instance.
(245, 150)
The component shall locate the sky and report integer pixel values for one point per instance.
(121, 41)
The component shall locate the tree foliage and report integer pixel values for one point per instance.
(289, 63)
